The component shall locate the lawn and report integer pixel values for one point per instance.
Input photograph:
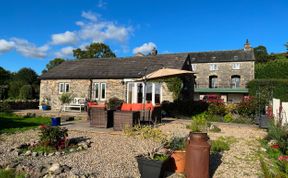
(11, 123)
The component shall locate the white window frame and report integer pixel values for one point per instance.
(101, 89)
(236, 66)
(194, 67)
(64, 86)
(96, 94)
(213, 66)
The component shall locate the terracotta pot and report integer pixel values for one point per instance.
(179, 160)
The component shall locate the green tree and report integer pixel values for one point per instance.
(5, 76)
(53, 63)
(261, 54)
(286, 45)
(27, 76)
(94, 50)
(26, 92)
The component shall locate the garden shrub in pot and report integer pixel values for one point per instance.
(115, 103)
(178, 156)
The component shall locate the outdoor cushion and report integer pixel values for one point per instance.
(137, 107)
(90, 104)
(126, 107)
(149, 106)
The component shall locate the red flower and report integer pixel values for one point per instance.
(42, 126)
(283, 158)
(276, 146)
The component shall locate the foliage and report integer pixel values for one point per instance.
(228, 117)
(215, 129)
(247, 107)
(11, 173)
(5, 107)
(53, 63)
(94, 50)
(261, 54)
(272, 70)
(26, 75)
(160, 157)
(115, 103)
(146, 132)
(26, 92)
(14, 88)
(66, 98)
(11, 123)
(198, 123)
(242, 119)
(279, 133)
(5, 76)
(217, 108)
(174, 84)
(53, 136)
(177, 143)
(266, 87)
(222, 144)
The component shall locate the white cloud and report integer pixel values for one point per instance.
(5, 46)
(102, 4)
(98, 30)
(145, 48)
(65, 52)
(28, 49)
(64, 38)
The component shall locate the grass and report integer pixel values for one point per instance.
(11, 123)
(11, 173)
(222, 144)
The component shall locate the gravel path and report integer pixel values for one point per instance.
(113, 155)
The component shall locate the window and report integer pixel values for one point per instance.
(213, 67)
(235, 66)
(157, 93)
(95, 91)
(130, 89)
(103, 91)
(149, 93)
(193, 66)
(213, 81)
(64, 87)
(235, 81)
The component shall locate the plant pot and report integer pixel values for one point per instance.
(178, 161)
(55, 121)
(149, 168)
(45, 107)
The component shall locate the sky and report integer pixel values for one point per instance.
(33, 32)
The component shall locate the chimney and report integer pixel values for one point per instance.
(247, 46)
(154, 52)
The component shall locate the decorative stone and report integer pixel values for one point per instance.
(57, 153)
(55, 167)
(51, 154)
(34, 154)
(71, 150)
(79, 148)
(24, 145)
(66, 168)
(27, 153)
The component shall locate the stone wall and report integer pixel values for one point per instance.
(50, 89)
(81, 88)
(224, 73)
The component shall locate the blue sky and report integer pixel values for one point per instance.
(33, 32)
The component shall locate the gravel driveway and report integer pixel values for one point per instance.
(113, 155)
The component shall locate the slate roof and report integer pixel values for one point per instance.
(114, 68)
(222, 56)
(133, 67)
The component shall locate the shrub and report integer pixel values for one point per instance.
(228, 117)
(5, 107)
(146, 132)
(198, 123)
(177, 143)
(11, 173)
(247, 107)
(217, 109)
(26, 92)
(214, 128)
(279, 133)
(53, 136)
(222, 144)
(114, 103)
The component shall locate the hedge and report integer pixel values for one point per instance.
(20, 104)
(272, 70)
(276, 87)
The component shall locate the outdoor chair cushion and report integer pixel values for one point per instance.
(137, 107)
(126, 107)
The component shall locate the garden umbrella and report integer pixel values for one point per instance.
(165, 73)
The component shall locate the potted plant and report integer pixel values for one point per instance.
(178, 156)
(198, 148)
(153, 164)
(45, 103)
(114, 103)
(65, 98)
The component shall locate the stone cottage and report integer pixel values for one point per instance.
(223, 72)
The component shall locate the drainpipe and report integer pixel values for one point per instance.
(90, 90)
